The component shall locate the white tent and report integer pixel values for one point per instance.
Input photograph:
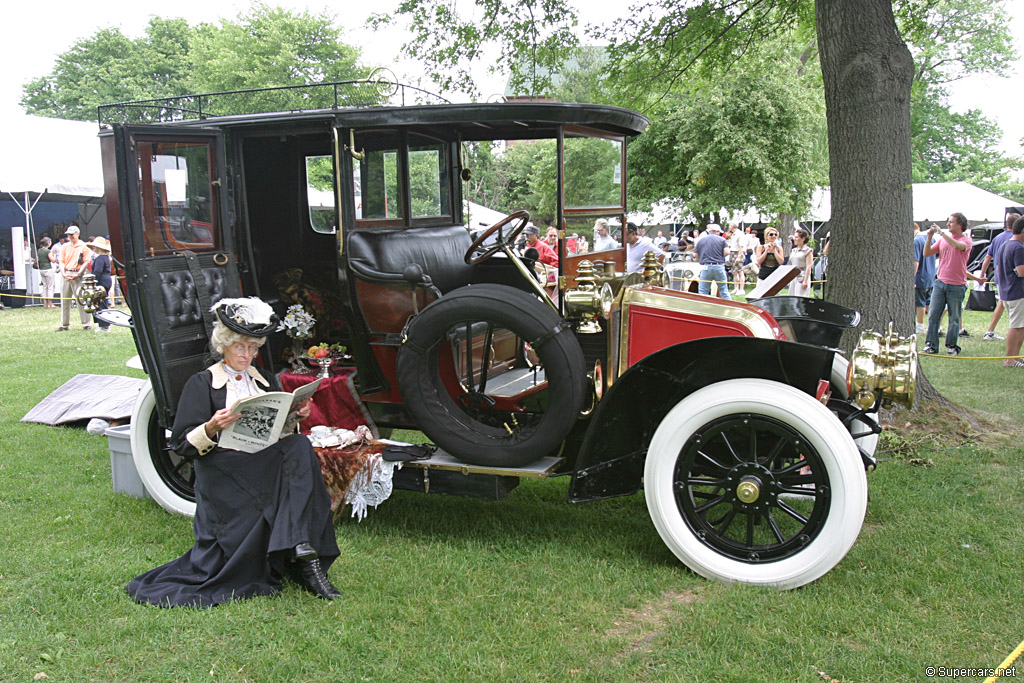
(478, 217)
(58, 158)
(933, 203)
(50, 160)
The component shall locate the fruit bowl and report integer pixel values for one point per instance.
(324, 364)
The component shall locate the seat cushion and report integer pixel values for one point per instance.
(380, 256)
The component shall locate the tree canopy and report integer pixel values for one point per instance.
(264, 47)
(663, 49)
(753, 140)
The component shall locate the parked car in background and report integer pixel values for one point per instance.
(982, 236)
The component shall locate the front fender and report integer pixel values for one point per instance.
(611, 459)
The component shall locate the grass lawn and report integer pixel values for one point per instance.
(528, 588)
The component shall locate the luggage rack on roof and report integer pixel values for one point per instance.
(378, 89)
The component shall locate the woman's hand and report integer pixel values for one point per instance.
(304, 409)
(221, 420)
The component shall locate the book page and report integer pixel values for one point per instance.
(263, 418)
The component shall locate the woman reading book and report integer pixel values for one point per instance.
(259, 516)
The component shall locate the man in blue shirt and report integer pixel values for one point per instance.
(1011, 289)
(711, 250)
(993, 257)
(924, 276)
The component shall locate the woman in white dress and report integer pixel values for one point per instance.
(802, 257)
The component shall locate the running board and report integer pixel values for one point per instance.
(538, 469)
(443, 473)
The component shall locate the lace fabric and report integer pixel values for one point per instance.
(241, 382)
(371, 485)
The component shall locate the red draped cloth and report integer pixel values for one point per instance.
(335, 404)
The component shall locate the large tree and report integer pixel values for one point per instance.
(868, 71)
(263, 47)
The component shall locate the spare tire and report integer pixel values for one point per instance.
(495, 439)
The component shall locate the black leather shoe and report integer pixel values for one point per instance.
(304, 551)
(311, 574)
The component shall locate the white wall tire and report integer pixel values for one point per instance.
(869, 442)
(783, 553)
(166, 477)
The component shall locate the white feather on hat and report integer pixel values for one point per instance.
(248, 310)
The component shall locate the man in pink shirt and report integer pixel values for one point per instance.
(953, 247)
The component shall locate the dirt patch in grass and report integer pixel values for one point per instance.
(939, 424)
(647, 622)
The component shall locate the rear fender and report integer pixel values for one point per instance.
(611, 460)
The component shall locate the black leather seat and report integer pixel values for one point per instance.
(380, 256)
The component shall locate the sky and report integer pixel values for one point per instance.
(36, 34)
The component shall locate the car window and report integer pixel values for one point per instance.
(428, 178)
(377, 178)
(178, 206)
(320, 194)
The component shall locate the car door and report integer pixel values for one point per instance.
(178, 247)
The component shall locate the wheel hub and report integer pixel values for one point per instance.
(749, 490)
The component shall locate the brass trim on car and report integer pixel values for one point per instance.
(656, 297)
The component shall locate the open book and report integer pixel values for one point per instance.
(264, 417)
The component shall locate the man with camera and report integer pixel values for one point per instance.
(953, 247)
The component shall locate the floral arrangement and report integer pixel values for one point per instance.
(297, 324)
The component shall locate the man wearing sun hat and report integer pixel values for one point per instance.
(75, 257)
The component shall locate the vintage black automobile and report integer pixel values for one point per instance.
(748, 432)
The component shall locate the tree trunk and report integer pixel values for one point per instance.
(867, 72)
(786, 230)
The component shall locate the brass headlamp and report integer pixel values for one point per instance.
(883, 366)
(90, 294)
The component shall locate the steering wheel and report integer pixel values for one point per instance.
(502, 243)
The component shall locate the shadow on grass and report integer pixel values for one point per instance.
(530, 519)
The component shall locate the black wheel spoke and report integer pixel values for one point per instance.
(750, 530)
(775, 528)
(723, 524)
(732, 451)
(776, 450)
(710, 504)
(696, 481)
(792, 513)
(798, 491)
(711, 460)
(798, 465)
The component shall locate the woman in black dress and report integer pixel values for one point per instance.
(259, 516)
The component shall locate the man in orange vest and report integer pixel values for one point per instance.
(74, 261)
